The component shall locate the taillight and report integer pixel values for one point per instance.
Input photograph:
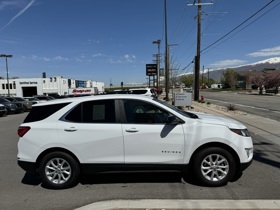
(22, 130)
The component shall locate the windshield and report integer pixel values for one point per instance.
(174, 108)
(19, 99)
(3, 100)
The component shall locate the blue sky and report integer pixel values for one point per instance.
(111, 40)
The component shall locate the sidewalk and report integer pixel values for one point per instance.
(183, 205)
(265, 127)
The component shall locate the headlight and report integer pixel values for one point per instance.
(241, 132)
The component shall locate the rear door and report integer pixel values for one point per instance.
(92, 131)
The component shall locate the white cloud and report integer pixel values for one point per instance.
(57, 58)
(90, 41)
(5, 4)
(98, 55)
(268, 52)
(227, 63)
(129, 58)
(19, 14)
(123, 59)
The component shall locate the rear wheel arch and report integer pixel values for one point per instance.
(54, 149)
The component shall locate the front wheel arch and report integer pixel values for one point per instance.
(238, 170)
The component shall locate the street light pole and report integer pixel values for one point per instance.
(158, 61)
(7, 70)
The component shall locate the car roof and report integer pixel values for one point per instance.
(96, 97)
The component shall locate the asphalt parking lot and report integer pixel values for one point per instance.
(258, 187)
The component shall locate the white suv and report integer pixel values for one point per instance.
(62, 139)
(144, 91)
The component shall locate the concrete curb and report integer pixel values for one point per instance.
(183, 205)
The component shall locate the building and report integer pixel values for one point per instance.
(26, 87)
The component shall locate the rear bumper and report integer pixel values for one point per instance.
(27, 166)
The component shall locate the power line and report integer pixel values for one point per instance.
(249, 24)
(238, 25)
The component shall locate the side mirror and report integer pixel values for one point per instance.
(173, 120)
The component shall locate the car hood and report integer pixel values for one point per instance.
(211, 119)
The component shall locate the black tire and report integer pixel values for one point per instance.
(59, 170)
(214, 167)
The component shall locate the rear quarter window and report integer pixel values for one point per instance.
(38, 113)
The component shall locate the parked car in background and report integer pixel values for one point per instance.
(32, 100)
(3, 110)
(26, 104)
(188, 89)
(144, 91)
(44, 98)
(12, 107)
(63, 139)
(119, 92)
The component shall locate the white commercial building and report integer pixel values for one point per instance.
(25, 87)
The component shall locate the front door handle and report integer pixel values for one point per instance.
(70, 129)
(132, 130)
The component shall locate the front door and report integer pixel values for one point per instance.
(148, 138)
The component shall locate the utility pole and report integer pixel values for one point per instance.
(166, 56)
(197, 63)
(197, 57)
(208, 79)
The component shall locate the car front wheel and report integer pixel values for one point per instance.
(214, 166)
(59, 170)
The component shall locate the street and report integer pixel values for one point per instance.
(262, 105)
(20, 190)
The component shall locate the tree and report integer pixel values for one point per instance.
(266, 79)
(187, 80)
(259, 80)
(229, 78)
(274, 80)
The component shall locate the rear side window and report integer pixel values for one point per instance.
(101, 111)
(38, 113)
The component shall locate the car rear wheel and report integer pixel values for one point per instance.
(214, 166)
(59, 170)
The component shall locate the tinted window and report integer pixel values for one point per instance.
(38, 113)
(141, 112)
(101, 111)
(139, 91)
(4, 100)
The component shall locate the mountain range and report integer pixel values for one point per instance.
(271, 63)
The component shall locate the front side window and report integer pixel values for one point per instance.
(99, 111)
(141, 112)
